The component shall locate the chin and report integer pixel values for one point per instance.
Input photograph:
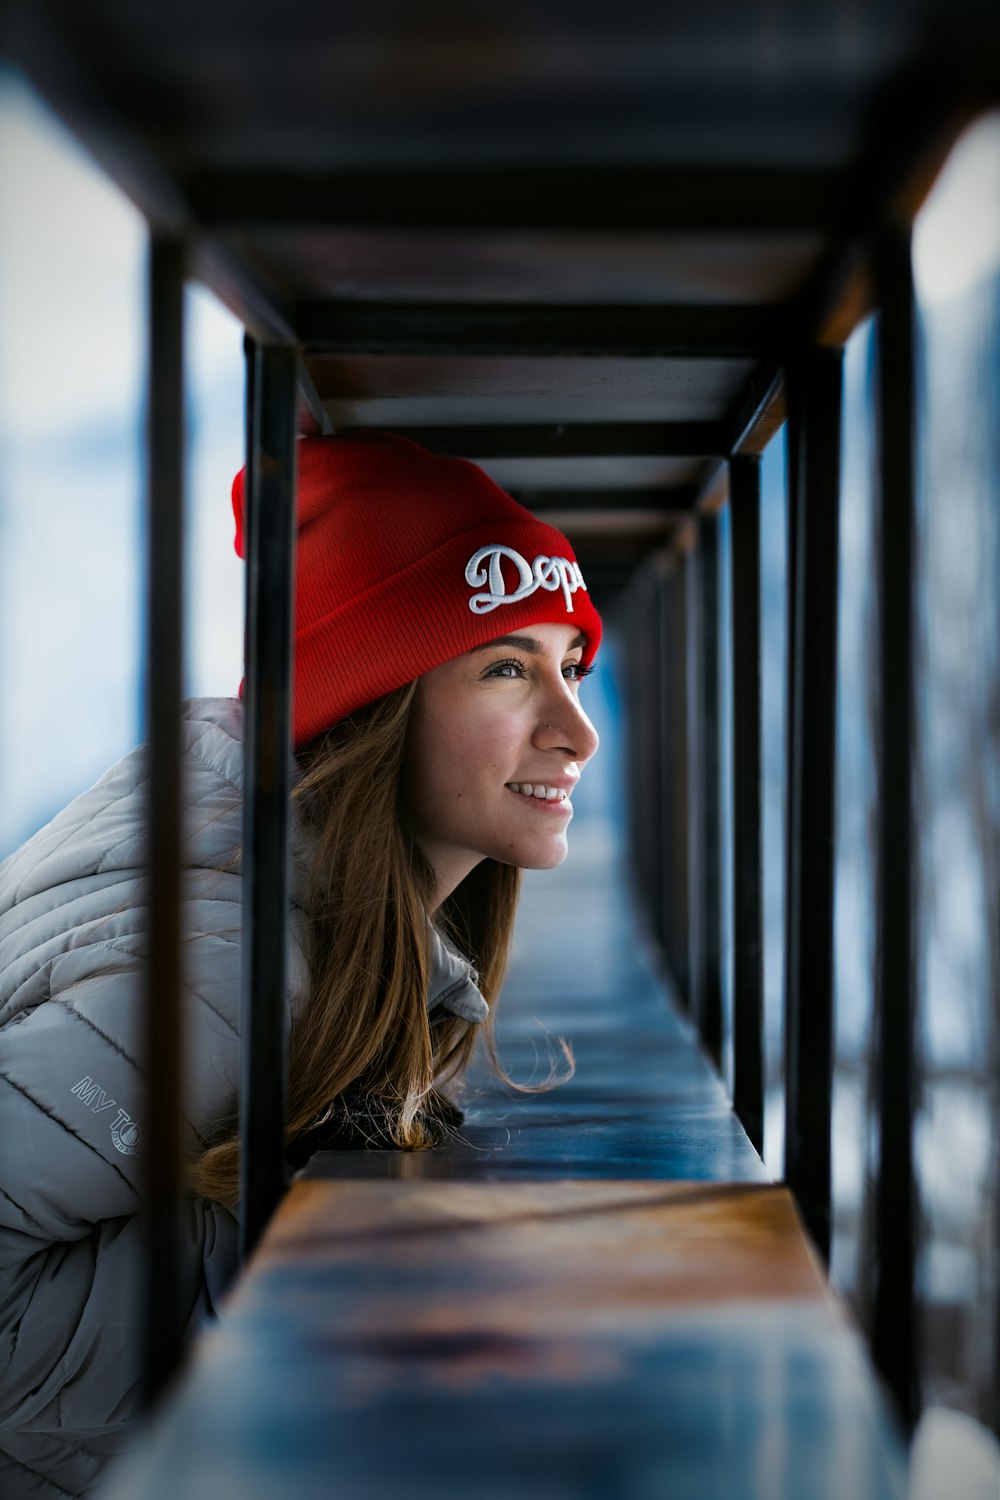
(539, 860)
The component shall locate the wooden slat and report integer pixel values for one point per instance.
(412, 390)
(163, 689)
(599, 196)
(707, 980)
(741, 331)
(675, 738)
(676, 1244)
(270, 552)
(584, 440)
(564, 1340)
(762, 411)
(815, 397)
(748, 842)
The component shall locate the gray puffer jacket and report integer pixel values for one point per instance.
(72, 1100)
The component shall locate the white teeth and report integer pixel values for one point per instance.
(545, 793)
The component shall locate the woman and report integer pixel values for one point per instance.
(441, 633)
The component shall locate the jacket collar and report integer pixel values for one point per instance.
(453, 981)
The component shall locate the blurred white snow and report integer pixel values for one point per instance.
(72, 370)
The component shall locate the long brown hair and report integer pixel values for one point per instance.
(365, 1024)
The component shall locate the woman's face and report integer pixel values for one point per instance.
(497, 743)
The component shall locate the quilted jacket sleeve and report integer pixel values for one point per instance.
(71, 1253)
(72, 1092)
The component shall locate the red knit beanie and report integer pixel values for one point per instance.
(405, 560)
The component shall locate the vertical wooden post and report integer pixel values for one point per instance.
(748, 868)
(674, 734)
(267, 755)
(164, 813)
(814, 399)
(893, 1336)
(637, 711)
(708, 980)
(664, 735)
(655, 791)
(684, 789)
(644, 723)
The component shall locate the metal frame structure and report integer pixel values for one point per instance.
(203, 217)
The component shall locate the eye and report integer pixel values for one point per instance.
(575, 671)
(509, 667)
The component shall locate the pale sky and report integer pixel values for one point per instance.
(72, 266)
(956, 244)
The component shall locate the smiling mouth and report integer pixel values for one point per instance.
(539, 792)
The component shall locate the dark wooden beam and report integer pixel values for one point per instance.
(618, 198)
(270, 537)
(707, 977)
(894, 1338)
(608, 440)
(761, 410)
(676, 741)
(740, 331)
(748, 843)
(163, 810)
(714, 490)
(263, 306)
(814, 389)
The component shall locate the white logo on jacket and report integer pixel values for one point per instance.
(126, 1135)
(549, 573)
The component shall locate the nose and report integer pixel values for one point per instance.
(564, 726)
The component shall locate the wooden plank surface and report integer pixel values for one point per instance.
(542, 1257)
(573, 1339)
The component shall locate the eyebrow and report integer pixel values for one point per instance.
(527, 643)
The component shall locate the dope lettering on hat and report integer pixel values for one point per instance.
(548, 573)
(383, 572)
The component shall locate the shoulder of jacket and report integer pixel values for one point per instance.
(102, 829)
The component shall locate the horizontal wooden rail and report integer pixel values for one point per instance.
(587, 440)
(685, 330)
(500, 197)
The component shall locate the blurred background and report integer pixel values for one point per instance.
(72, 367)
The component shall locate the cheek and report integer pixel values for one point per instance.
(464, 746)
(468, 752)
(449, 761)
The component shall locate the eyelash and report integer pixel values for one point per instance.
(496, 670)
